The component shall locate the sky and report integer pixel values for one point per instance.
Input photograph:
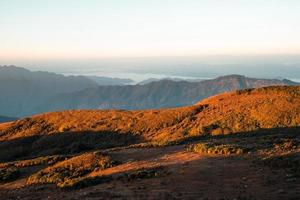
(89, 29)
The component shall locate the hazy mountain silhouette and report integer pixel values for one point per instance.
(26, 93)
(157, 94)
(21, 90)
(150, 80)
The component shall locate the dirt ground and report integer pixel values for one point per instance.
(189, 176)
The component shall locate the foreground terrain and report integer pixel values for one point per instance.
(239, 145)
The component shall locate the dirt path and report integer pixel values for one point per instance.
(191, 176)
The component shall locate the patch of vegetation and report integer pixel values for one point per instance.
(214, 148)
(286, 145)
(72, 170)
(291, 90)
(82, 182)
(244, 91)
(46, 160)
(152, 144)
(11, 170)
(8, 174)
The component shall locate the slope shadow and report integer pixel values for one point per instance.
(268, 135)
(63, 143)
(76, 142)
(217, 176)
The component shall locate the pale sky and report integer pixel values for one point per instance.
(51, 29)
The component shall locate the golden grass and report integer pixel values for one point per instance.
(233, 112)
(210, 148)
(72, 170)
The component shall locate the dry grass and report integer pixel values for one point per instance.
(212, 148)
(46, 160)
(72, 170)
(278, 149)
(144, 173)
(11, 170)
(244, 110)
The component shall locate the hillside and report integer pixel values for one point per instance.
(190, 152)
(239, 111)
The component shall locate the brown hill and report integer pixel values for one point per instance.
(77, 130)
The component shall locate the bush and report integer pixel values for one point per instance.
(82, 182)
(49, 160)
(70, 171)
(211, 148)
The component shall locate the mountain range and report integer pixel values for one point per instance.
(25, 93)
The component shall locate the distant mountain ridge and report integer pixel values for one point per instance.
(21, 90)
(150, 80)
(102, 80)
(158, 94)
(25, 93)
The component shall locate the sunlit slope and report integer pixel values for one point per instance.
(238, 111)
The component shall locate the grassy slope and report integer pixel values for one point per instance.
(226, 113)
(265, 132)
(76, 131)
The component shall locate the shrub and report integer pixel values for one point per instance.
(49, 160)
(82, 182)
(72, 170)
(211, 148)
